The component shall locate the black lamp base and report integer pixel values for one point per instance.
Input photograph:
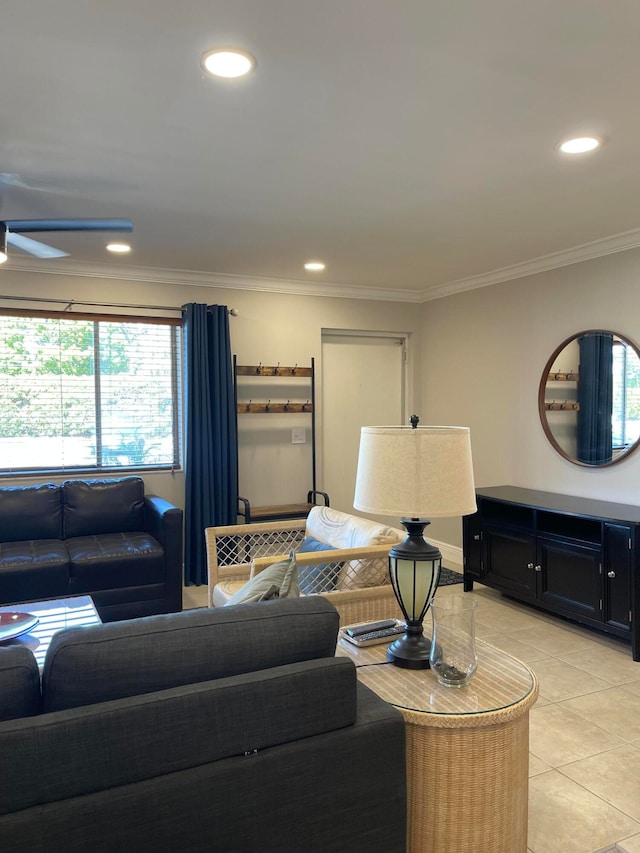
(410, 651)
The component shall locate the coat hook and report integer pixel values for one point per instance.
(275, 372)
(293, 369)
(286, 406)
(259, 368)
(266, 408)
(249, 406)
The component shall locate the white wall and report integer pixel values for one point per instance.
(475, 358)
(269, 328)
(484, 354)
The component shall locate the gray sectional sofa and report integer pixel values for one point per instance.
(228, 729)
(103, 538)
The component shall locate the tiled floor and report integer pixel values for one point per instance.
(584, 787)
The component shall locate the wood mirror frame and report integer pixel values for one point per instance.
(559, 393)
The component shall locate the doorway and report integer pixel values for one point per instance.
(363, 384)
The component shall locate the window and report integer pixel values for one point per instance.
(84, 393)
(626, 395)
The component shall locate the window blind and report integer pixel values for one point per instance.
(81, 392)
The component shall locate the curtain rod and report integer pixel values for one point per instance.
(70, 302)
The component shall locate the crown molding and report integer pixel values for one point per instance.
(564, 258)
(195, 278)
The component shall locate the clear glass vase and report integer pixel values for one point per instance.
(453, 641)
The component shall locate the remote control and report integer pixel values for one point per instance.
(382, 635)
(368, 627)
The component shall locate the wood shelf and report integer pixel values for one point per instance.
(557, 406)
(274, 408)
(559, 376)
(267, 370)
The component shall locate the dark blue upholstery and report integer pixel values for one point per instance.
(101, 537)
(236, 730)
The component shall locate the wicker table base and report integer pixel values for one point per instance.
(467, 750)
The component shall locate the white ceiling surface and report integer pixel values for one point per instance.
(407, 143)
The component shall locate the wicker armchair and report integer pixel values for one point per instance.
(361, 593)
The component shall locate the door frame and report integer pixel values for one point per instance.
(406, 385)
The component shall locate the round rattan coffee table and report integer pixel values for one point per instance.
(467, 750)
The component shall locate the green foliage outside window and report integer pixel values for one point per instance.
(124, 413)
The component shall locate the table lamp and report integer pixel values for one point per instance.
(414, 472)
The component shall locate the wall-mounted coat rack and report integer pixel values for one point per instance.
(249, 407)
(559, 376)
(566, 406)
(268, 408)
(268, 370)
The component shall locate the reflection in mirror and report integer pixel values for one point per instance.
(589, 398)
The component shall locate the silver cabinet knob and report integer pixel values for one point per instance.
(538, 568)
(529, 565)
(611, 574)
(476, 537)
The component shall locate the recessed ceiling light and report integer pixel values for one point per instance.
(579, 145)
(314, 266)
(228, 63)
(119, 248)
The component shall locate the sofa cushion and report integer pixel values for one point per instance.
(102, 662)
(279, 580)
(102, 506)
(19, 683)
(114, 560)
(350, 531)
(347, 531)
(30, 512)
(33, 570)
(126, 741)
(321, 577)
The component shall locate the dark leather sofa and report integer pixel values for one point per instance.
(232, 729)
(103, 538)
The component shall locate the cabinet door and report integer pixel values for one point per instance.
(472, 543)
(570, 577)
(617, 571)
(509, 560)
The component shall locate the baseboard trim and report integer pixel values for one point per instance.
(451, 555)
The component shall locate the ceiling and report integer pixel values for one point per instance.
(409, 144)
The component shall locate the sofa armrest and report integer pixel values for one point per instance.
(344, 568)
(232, 547)
(333, 555)
(163, 521)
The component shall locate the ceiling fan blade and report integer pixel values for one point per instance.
(69, 224)
(33, 247)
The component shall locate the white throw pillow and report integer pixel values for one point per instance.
(353, 531)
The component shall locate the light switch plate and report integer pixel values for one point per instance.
(298, 435)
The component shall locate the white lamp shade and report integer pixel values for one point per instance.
(426, 472)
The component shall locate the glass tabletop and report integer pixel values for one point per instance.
(499, 682)
(53, 616)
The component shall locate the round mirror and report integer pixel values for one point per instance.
(589, 398)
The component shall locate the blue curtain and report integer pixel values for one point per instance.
(595, 396)
(211, 444)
